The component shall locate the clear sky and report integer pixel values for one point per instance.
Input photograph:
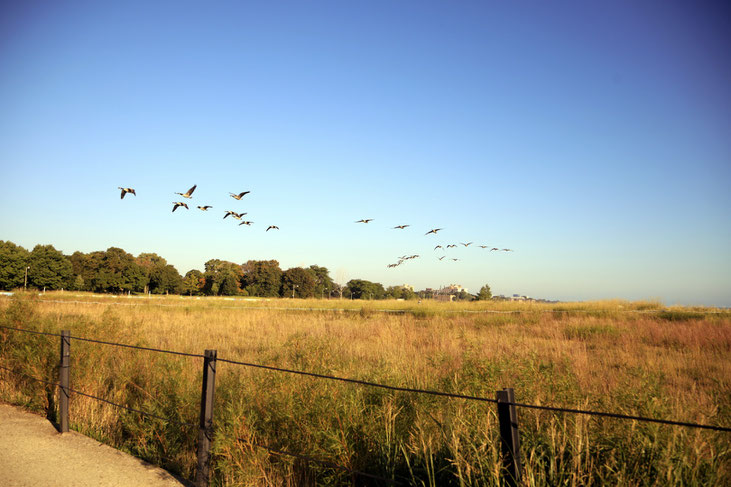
(592, 138)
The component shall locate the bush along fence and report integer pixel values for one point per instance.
(505, 403)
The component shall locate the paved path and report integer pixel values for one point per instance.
(33, 453)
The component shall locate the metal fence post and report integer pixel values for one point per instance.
(509, 438)
(63, 378)
(205, 427)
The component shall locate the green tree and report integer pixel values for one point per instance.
(13, 261)
(152, 263)
(117, 271)
(219, 271)
(484, 293)
(194, 282)
(464, 296)
(165, 279)
(300, 280)
(49, 268)
(85, 267)
(323, 282)
(261, 277)
(362, 289)
(400, 292)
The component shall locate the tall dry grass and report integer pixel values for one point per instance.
(633, 358)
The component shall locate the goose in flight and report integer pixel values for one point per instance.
(494, 249)
(204, 208)
(451, 246)
(179, 203)
(272, 227)
(247, 223)
(365, 220)
(507, 250)
(466, 244)
(433, 230)
(400, 227)
(440, 258)
(438, 247)
(233, 214)
(482, 246)
(189, 192)
(240, 195)
(127, 190)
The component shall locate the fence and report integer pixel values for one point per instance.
(504, 401)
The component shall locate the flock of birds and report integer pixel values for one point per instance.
(239, 216)
(189, 194)
(434, 231)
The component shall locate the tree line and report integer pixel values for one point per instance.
(117, 271)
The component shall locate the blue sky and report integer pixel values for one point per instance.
(593, 139)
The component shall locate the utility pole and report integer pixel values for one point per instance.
(25, 285)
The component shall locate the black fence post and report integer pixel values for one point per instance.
(509, 438)
(205, 427)
(63, 378)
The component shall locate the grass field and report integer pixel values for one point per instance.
(635, 358)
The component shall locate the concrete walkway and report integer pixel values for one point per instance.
(33, 453)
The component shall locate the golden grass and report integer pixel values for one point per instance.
(633, 358)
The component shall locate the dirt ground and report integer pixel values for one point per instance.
(33, 453)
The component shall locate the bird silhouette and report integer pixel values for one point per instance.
(494, 249)
(438, 247)
(127, 190)
(240, 195)
(365, 220)
(233, 214)
(433, 230)
(204, 208)
(179, 203)
(450, 246)
(507, 250)
(400, 227)
(440, 258)
(272, 227)
(189, 192)
(247, 223)
(466, 244)
(482, 246)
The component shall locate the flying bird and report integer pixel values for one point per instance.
(455, 260)
(366, 220)
(240, 195)
(440, 258)
(204, 208)
(177, 204)
(233, 214)
(433, 230)
(438, 247)
(272, 227)
(482, 246)
(494, 249)
(247, 223)
(127, 190)
(466, 244)
(451, 246)
(189, 192)
(507, 250)
(400, 227)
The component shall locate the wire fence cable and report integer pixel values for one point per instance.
(360, 382)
